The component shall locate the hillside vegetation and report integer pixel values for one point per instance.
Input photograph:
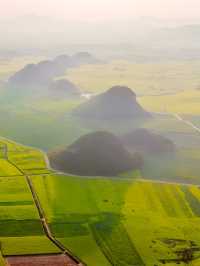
(96, 154)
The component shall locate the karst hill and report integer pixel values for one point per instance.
(95, 154)
(119, 102)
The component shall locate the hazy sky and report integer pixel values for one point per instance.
(102, 9)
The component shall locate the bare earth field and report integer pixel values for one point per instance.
(42, 260)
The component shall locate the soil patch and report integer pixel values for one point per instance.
(40, 260)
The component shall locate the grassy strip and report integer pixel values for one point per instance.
(19, 228)
(2, 262)
(116, 244)
(192, 200)
(16, 203)
(27, 245)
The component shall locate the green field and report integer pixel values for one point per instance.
(2, 262)
(21, 231)
(127, 222)
(143, 78)
(186, 102)
(27, 245)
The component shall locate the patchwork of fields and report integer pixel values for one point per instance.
(21, 230)
(126, 222)
(143, 78)
(115, 221)
(185, 102)
(120, 221)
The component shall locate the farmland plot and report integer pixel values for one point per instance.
(128, 222)
(21, 231)
(20, 228)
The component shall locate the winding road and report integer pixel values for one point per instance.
(179, 118)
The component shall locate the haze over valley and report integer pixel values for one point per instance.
(99, 133)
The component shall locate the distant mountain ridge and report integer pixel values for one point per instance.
(45, 71)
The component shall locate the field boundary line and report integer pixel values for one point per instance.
(46, 227)
(2, 258)
(43, 220)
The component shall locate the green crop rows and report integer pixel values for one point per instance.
(20, 228)
(126, 222)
